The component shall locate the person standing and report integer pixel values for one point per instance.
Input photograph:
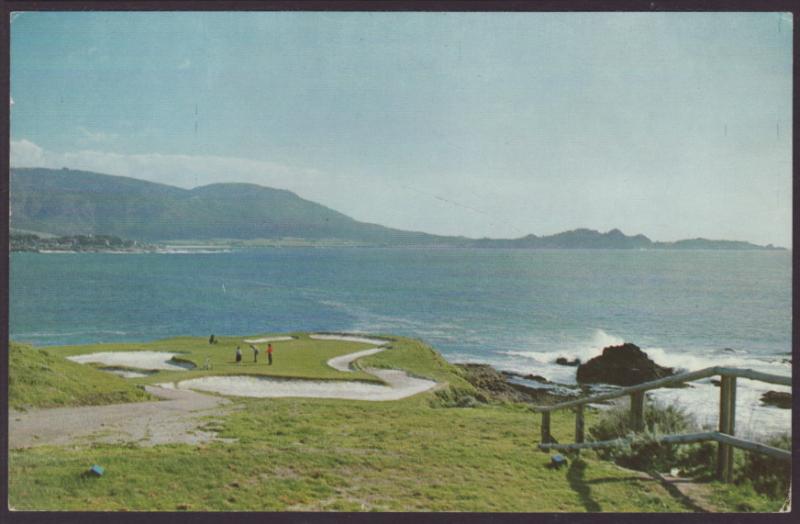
(269, 354)
(255, 353)
(238, 355)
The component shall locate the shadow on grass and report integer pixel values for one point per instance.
(678, 495)
(581, 486)
(668, 485)
(575, 477)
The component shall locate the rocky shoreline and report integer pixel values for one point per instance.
(500, 386)
(617, 366)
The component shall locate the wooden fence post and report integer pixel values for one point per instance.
(727, 425)
(637, 411)
(546, 438)
(579, 424)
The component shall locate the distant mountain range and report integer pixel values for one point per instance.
(68, 202)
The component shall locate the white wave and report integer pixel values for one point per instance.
(698, 359)
(753, 419)
(584, 350)
(191, 251)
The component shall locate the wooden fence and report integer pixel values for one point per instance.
(727, 416)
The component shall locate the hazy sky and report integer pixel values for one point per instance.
(478, 124)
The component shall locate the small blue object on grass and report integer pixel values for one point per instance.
(96, 470)
(557, 461)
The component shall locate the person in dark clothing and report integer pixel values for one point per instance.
(255, 353)
(238, 355)
(211, 339)
(269, 354)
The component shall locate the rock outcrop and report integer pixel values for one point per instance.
(623, 365)
(778, 399)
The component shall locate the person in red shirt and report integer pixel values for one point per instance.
(269, 353)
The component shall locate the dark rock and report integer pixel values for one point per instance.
(716, 382)
(529, 376)
(493, 385)
(623, 365)
(729, 350)
(562, 361)
(778, 399)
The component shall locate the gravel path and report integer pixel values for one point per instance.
(176, 419)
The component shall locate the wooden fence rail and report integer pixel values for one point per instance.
(727, 416)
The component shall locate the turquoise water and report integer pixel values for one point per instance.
(518, 310)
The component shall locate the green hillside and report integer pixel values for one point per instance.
(421, 453)
(67, 202)
(39, 378)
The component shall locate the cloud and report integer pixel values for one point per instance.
(180, 170)
(97, 136)
(25, 153)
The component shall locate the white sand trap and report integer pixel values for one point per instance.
(133, 359)
(400, 385)
(342, 363)
(267, 339)
(348, 338)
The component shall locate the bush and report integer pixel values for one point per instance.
(454, 397)
(768, 476)
(643, 452)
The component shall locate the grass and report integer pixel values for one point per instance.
(301, 454)
(292, 454)
(300, 358)
(39, 378)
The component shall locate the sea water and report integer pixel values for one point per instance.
(518, 310)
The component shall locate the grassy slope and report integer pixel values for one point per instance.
(299, 454)
(339, 455)
(39, 378)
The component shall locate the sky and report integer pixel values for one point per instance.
(672, 125)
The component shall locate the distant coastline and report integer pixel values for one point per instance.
(95, 212)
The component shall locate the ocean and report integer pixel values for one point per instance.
(518, 310)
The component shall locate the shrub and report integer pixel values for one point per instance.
(455, 397)
(643, 452)
(768, 476)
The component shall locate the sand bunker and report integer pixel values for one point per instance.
(349, 338)
(267, 339)
(400, 385)
(134, 359)
(343, 362)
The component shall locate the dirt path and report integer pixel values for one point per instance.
(695, 495)
(176, 419)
